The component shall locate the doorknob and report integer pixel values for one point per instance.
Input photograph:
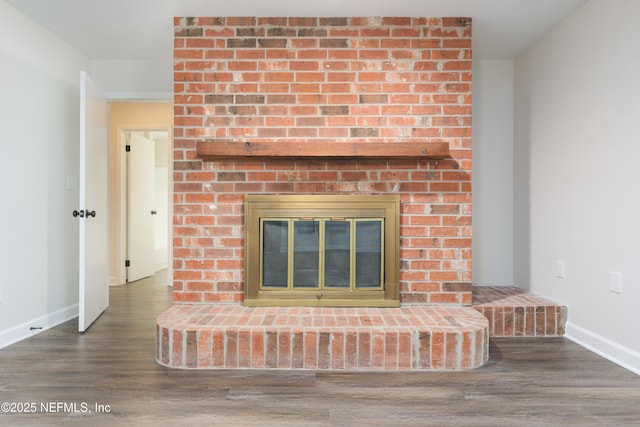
(91, 213)
(154, 212)
(80, 214)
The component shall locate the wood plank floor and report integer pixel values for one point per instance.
(527, 382)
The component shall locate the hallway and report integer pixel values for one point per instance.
(111, 368)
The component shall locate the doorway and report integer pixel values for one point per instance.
(152, 121)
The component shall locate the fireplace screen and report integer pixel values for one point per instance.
(322, 253)
(322, 250)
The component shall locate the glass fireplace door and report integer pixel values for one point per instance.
(275, 253)
(321, 250)
(306, 254)
(337, 254)
(323, 253)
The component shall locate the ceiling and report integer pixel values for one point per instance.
(143, 29)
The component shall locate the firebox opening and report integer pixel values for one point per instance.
(322, 250)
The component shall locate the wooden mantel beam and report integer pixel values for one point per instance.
(219, 149)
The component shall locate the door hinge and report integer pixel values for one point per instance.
(127, 263)
(127, 148)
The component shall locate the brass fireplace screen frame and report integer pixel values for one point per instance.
(320, 209)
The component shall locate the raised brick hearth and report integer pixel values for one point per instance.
(511, 312)
(214, 336)
(407, 338)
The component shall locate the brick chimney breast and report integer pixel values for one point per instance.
(270, 80)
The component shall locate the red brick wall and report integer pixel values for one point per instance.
(330, 79)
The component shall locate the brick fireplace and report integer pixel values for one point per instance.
(259, 104)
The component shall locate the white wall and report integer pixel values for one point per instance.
(39, 118)
(577, 103)
(493, 172)
(134, 79)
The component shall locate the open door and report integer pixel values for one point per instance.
(141, 209)
(94, 244)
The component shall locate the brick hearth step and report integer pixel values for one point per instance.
(218, 336)
(512, 312)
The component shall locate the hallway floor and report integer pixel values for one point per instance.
(108, 376)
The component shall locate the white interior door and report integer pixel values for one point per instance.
(94, 244)
(141, 210)
(161, 140)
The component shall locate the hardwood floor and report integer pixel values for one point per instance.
(527, 382)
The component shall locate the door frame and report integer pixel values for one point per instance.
(134, 115)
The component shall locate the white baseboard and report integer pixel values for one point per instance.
(47, 321)
(616, 353)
